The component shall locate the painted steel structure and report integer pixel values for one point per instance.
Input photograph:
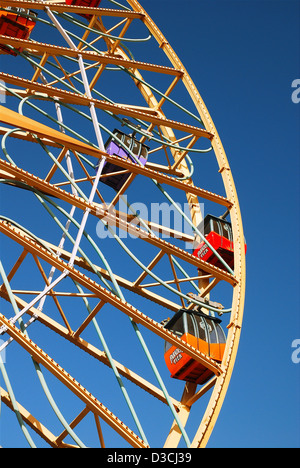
(69, 77)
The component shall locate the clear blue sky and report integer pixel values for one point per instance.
(243, 56)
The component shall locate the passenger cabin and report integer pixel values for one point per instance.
(13, 24)
(201, 331)
(117, 176)
(84, 3)
(218, 233)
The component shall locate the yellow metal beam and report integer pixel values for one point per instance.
(14, 119)
(117, 109)
(61, 7)
(36, 425)
(51, 49)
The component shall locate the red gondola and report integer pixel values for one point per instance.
(12, 24)
(201, 331)
(84, 3)
(218, 233)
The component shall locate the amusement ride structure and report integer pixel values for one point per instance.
(122, 246)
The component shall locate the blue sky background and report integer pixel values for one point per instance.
(243, 56)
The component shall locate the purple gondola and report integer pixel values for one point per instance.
(113, 147)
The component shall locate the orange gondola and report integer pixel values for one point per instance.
(201, 331)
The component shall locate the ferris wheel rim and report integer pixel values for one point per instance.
(221, 381)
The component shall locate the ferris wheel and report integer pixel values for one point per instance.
(122, 246)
